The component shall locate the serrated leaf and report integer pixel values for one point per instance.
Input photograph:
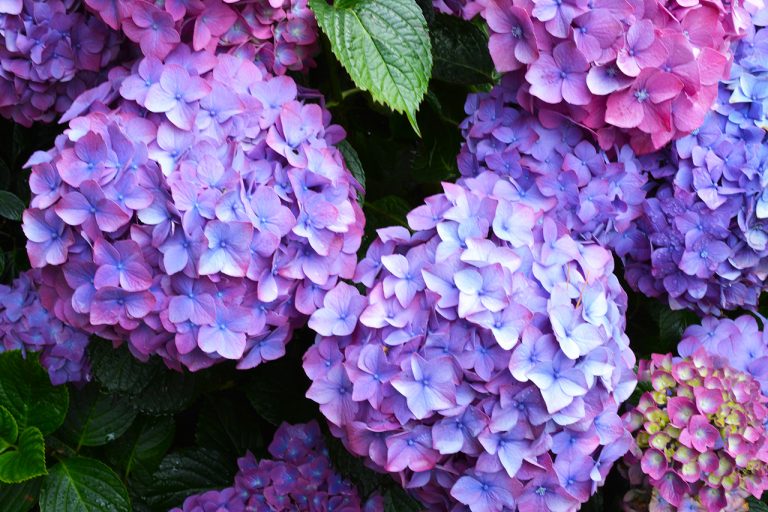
(143, 445)
(756, 505)
(20, 497)
(96, 419)
(11, 207)
(228, 424)
(118, 371)
(384, 46)
(352, 160)
(9, 430)
(82, 484)
(26, 391)
(460, 51)
(185, 473)
(168, 392)
(26, 460)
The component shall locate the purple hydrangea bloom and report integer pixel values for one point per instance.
(701, 242)
(488, 359)
(51, 51)
(700, 436)
(200, 236)
(556, 168)
(638, 73)
(28, 326)
(298, 478)
(282, 34)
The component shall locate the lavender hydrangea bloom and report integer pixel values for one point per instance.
(596, 194)
(298, 478)
(50, 53)
(202, 241)
(281, 34)
(455, 377)
(28, 326)
(701, 242)
(700, 436)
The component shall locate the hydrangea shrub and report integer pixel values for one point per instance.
(487, 360)
(50, 52)
(700, 436)
(202, 218)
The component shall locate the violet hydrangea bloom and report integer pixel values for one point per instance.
(298, 478)
(557, 169)
(487, 360)
(50, 52)
(28, 326)
(702, 241)
(642, 73)
(195, 226)
(282, 34)
(700, 437)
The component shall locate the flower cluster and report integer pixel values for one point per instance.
(555, 167)
(701, 442)
(282, 34)
(50, 52)
(486, 363)
(299, 478)
(202, 218)
(27, 326)
(646, 72)
(703, 239)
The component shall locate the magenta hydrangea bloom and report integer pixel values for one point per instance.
(637, 72)
(555, 168)
(282, 34)
(702, 241)
(486, 364)
(28, 326)
(200, 211)
(298, 478)
(700, 436)
(50, 52)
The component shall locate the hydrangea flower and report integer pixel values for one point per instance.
(282, 34)
(701, 242)
(194, 224)
(485, 366)
(298, 478)
(554, 167)
(50, 52)
(643, 73)
(27, 326)
(701, 442)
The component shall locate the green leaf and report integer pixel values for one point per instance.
(9, 430)
(460, 51)
(353, 161)
(20, 497)
(227, 423)
(397, 500)
(81, 484)
(756, 505)
(26, 460)
(11, 207)
(385, 47)
(143, 446)
(118, 371)
(96, 419)
(185, 473)
(26, 391)
(168, 392)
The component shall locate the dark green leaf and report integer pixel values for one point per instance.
(353, 161)
(756, 505)
(9, 430)
(11, 207)
(26, 460)
(26, 391)
(167, 393)
(397, 500)
(20, 497)
(96, 419)
(385, 47)
(460, 51)
(118, 371)
(143, 446)
(227, 424)
(81, 484)
(185, 473)
(387, 211)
